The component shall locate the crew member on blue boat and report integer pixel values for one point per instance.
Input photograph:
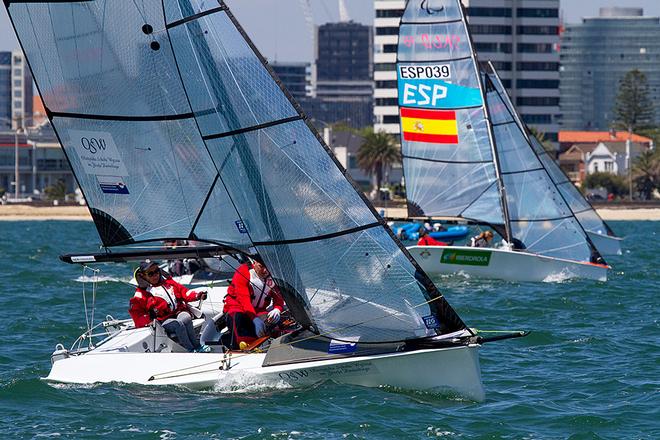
(253, 304)
(159, 297)
(482, 240)
(426, 240)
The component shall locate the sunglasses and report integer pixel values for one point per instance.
(152, 272)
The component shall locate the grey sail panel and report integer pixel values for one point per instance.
(448, 161)
(308, 193)
(582, 209)
(539, 217)
(118, 106)
(209, 146)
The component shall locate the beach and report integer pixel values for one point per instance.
(31, 212)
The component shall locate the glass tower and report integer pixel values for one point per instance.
(596, 54)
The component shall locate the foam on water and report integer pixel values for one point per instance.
(245, 382)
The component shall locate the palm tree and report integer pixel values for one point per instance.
(646, 173)
(377, 153)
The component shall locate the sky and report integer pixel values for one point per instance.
(279, 29)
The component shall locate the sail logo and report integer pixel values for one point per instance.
(240, 225)
(343, 347)
(112, 185)
(431, 322)
(433, 126)
(465, 257)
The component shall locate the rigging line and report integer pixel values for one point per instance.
(317, 237)
(438, 60)
(168, 374)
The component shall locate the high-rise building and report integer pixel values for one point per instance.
(520, 37)
(15, 90)
(296, 77)
(344, 85)
(596, 54)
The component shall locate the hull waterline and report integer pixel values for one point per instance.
(453, 370)
(502, 264)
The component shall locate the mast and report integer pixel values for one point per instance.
(491, 134)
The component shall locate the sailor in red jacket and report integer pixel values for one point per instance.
(426, 240)
(160, 297)
(251, 292)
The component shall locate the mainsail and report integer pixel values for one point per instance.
(175, 127)
(488, 171)
(448, 158)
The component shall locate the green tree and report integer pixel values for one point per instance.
(646, 173)
(378, 152)
(633, 108)
(56, 191)
(611, 182)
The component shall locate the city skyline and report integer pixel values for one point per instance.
(287, 37)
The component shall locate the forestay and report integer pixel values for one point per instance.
(539, 216)
(175, 128)
(447, 154)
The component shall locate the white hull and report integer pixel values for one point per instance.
(502, 264)
(454, 370)
(606, 244)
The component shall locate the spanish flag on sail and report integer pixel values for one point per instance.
(434, 126)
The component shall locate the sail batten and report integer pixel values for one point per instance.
(241, 166)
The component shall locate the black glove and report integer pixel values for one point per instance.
(153, 313)
(203, 295)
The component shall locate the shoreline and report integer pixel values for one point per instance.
(80, 213)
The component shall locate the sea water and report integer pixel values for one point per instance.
(590, 368)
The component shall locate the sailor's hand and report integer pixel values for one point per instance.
(259, 327)
(202, 295)
(273, 316)
(153, 313)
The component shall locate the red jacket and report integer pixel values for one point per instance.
(167, 298)
(427, 240)
(248, 294)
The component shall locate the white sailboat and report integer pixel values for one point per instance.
(465, 156)
(176, 129)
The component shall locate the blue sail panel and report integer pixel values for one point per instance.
(94, 58)
(228, 90)
(443, 85)
(445, 189)
(391, 302)
(282, 166)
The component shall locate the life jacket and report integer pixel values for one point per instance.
(249, 294)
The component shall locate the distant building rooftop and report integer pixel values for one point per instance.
(581, 137)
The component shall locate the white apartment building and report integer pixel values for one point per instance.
(520, 37)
